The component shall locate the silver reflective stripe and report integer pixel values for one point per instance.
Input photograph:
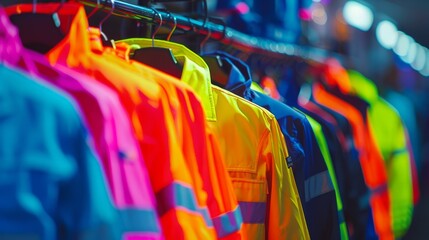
(19, 236)
(317, 185)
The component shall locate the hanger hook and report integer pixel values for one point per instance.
(94, 10)
(174, 27)
(56, 11)
(59, 7)
(100, 25)
(206, 13)
(206, 16)
(158, 27)
(209, 33)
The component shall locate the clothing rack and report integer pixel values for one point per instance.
(218, 32)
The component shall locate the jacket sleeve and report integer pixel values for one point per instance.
(85, 208)
(285, 216)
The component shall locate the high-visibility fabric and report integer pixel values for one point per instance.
(363, 107)
(321, 140)
(183, 55)
(221, 200)
(180, 197)
(384, 121)
(197, 147)
(51, 183)
(319, 200)
(390, 136)
(254, 153)
(370, 158)
(351, 182)
(407, 110)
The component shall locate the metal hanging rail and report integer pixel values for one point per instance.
(218, 32)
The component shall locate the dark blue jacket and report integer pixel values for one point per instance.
(51, 185)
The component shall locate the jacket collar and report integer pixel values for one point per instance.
(239, 77)
(195, 72)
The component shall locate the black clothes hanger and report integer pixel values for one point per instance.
(219, 70)
(104, 39)
(158, 57)
(39, 31)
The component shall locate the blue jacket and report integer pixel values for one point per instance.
(51, 184)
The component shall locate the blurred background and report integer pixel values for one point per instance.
(386, 40)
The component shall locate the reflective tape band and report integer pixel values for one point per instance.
(139, 220)
(253, 212)
(228, 223)
(289, 162)
(317, 185)
(178, 195)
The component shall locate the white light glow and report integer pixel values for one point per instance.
(318, 14)
(358, 15)
(387, 34)
(425, 70)
(420, 61)
(424, 73)
(411, 53)
(402, 45)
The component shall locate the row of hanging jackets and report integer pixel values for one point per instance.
(98, 145)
